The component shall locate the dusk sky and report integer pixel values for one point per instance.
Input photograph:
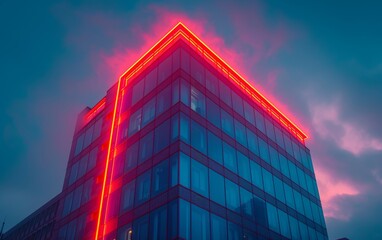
(320, 62)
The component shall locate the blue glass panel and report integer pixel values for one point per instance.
(279, 137)
(215, 148)
(212, 83)
(293, 172)
(243, 166)
(200, 223)
(234, 231)
(175, 91)
(143, 187)
(260, 121)
(225, 94)
(150, 81)
(185, 218)
(240, 134)
(197, 71)
(148, 112)
(199, 178)
(289, 196)
(158, 224)
(135, 122)
(164, 69)
(237, 103)
(284, 223)
(279, 189)
(128, 196)
(218, 228)
(160, 178)
(260, 211)
(256, 174)
(198, 137)
(217, 188)
(273, 219)
(269, 129)
(307, 208)
(162, 137)
(268, 182)
(137, 92)
(284, 165)
(274, 155)
(246, 199)
(264, 152)
(174, 170)
(172, 219)
(227, 123)
(229, 156)
(294, 228)
(248, 113)
(301, 177)
(184, 170)
(185, 92)
(184, 128)
(131, 157)
(303, 230)
(174, 128)
(298, 201)
(253, 140)
(232, 195)
(141, 228)
(164, 100)
(213, 113)
(146, 147)
(198, 101)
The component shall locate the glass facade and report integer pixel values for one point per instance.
(193, 157)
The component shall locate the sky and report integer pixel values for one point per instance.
(320, 62)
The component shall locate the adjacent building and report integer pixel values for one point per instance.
(182, 147)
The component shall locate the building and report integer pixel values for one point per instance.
(182, 147)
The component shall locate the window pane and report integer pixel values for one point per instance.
(148, 112)
(234, 231)
(199, 178)
(237, 103)
(97, 129)
(198, 101)
(164, 69)
(184, 215)
(256, 174)
(246, 199)
(213, 113)
(87, 192)
(160, 178)
(185, 92)
(215, 148)
(284, 165)
(212, 83)
(128, 196)
(225, 94)
(184, 169)
(83, 165)
(92, 159)
(248, 113)
(131, 157)
(294, 228)
(143, 187)
(137, 92)
(164, 100)
(79, 143)
(200, 225)
(172, 219)
(146, 147)
(289, 196)
(229, 156)
(253, 142)
(217, 188)
(240, 133)
(274, 155)
(197, 71)
(141, 228)
(218, 228)
(259, 121)
(185, 60)
(174, 170)
(135, 122)
(175, 91)
(73, 173)
(243, 165)
(77, 198)
(284, 223)
(232, 196)
(150, 81)
(174, 128)
(264, 152)
(270, 131)
(88, 136)
(184, 128)
(279, 189)
(227, 123)
(198, 137)
(260, 211)
(158, 224)
(273, 219)
(268, 182)
(162, 137)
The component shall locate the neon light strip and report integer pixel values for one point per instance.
(98, 107)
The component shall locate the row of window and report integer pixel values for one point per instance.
(77, 197)
(219, 189)
(84, 165)
(87, 137)
(223, 153)
(74, 229)
(185, 220)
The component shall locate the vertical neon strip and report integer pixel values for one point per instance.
(107, 159)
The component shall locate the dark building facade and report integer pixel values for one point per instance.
(182, 147)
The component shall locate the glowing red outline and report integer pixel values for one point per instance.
(97, 108)
(180, 30)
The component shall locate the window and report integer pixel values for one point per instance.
(246, 203)
(260, 211)
(212, 83)
(217, 188)
(137, 92)
(198, 101)
(284, 223)
(270, 131)
(289, 196)
(162, 136)
(175, 91)
(294, 228)
(237, 103)
(174, 128)
(232, 195)
(198, 137)
(215, 148)
(135, 122)
(234, 231)
(284, 165)
(148, 112)
(184, 128)
(67, 204)
(248, 113)
(143, 187)
(174, 170)
(279, 189)
(268, 182)
(79, 144)
(274, 155)
(199, 178)
(141, 228)
(146, 147)
(256, 174)
(82, 166)
(243, 166)
(160, 178)
(185, 92)
(213, 113)
(92, 159)
(227, 123)
(150, 81)
(185, 60)
(225, 94)
(184, 224)
(253, 142)
(131, 157)
(163, 100)
(87, 192)
(200, 227)
(264, 152)
(88, 136)
(298, 201)
(273, 219)
(229, 156)
(197, 71)
(77, 198)
(184, 170)
(240, 133)
(128, 196)
(218, 228)
(158, 224)
(73, 173)
(279, 137)
(164, 69)
(259, 121)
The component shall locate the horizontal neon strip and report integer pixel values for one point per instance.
(97, 108)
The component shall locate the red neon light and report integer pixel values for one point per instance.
(181, 31)
(98, 107)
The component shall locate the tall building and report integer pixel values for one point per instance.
(182, 147)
